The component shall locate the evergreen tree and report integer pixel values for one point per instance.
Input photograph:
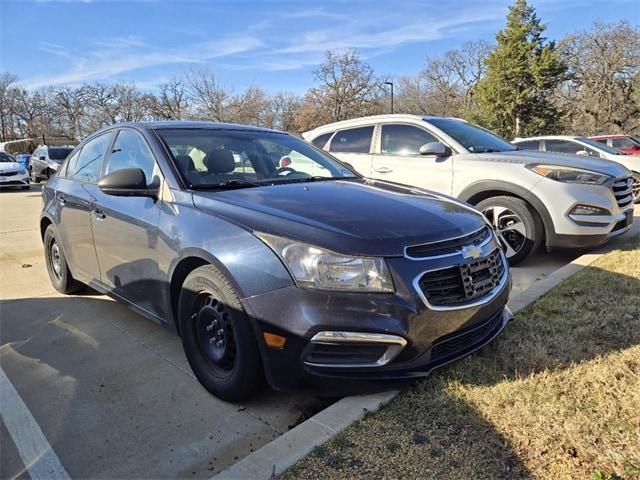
(523, 73)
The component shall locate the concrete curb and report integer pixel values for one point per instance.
(282, 453)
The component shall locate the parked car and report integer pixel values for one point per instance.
(309, 280)
(624, 143)
(577, 145)
(12, 173)
(45, 161)
(528, 197)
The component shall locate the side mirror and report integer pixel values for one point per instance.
(435, 148)
(582, 153)
(127, 182)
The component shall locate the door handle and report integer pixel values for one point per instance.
(383, 170)
(99, 214)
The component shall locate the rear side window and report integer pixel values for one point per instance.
(86, 167)
(354, 140)
(69, 165)
(404, 139)
(322, 140)
(529, 145)
(562, 146)
(131, 151)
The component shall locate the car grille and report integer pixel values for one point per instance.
(623, 191)
(463, 283)
(455, 343)
(448, 246)
(8, 174)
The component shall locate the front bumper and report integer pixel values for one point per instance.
(583, 231)
(14, 179)
(429, 337)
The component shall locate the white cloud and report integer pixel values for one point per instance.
(126, 54)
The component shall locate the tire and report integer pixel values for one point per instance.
(636, 187)
(57, 266)
(32, 176)
(517, 225)
(217, 336)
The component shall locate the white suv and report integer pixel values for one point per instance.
(586, 147)
(529, 197)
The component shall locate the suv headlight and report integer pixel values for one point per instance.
(313, 267)
(569, 174)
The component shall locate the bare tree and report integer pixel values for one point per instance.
(7, 104)
(171, 103)
(208, 98)
(283, 108)
(603, 94)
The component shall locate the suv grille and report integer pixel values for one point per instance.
(449, 246)
(623, 191)
(463, 283)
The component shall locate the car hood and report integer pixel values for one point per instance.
(10, 166)
(526, 157)
(355, 217)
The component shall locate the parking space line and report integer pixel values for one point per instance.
(37, 455)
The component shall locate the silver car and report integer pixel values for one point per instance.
(531, 198)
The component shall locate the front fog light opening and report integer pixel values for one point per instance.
(588, 210)
(352, 349)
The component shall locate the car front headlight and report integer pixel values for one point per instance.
(569, 174)
(314, 267)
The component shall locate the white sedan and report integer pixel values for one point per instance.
(12, 173)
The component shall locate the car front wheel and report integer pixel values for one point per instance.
(517, 226)
(32, 176)
(217, 336)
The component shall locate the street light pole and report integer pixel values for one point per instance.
(391, 83)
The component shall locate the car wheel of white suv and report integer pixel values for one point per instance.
(517, 225)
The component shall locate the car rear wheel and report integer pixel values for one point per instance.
(217, 336)
(57, 266)
(517, 226)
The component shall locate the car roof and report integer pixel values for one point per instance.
(390, 117)
(550, 137)
(186, 124)
(618, 135)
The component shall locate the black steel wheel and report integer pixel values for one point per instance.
(57, 267)
(217, 335)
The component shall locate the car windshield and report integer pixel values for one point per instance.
(600, 146)
(6, 158)
(473, 138)
(214, 158)
(59, 153)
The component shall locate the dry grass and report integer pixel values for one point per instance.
(556, 396)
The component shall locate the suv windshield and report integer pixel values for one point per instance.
(209, 158)
(473, 138)
(600, 146)
(59, 153)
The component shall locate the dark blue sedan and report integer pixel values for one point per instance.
(299, 271)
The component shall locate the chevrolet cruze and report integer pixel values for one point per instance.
(299, 271)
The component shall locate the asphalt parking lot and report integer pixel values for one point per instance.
(110, 390)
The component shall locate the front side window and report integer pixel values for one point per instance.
(565, 146)
(209, 158)
(623, 143)
(322, 140)
(86, 167)
(353, 140)
(475, 139)
(529, 145)
(404, 139)
(131, 151)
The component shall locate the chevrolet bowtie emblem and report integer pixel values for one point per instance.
(471, 251)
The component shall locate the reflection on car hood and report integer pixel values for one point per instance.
(10, 166)
(526, 157)
(356, 217)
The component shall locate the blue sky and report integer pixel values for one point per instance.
(274, 44)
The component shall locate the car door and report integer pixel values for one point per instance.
(75, 197)
(37, 164)
(399, 158)
(353, 146)
(125, 229)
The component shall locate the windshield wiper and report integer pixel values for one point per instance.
(229, 184)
